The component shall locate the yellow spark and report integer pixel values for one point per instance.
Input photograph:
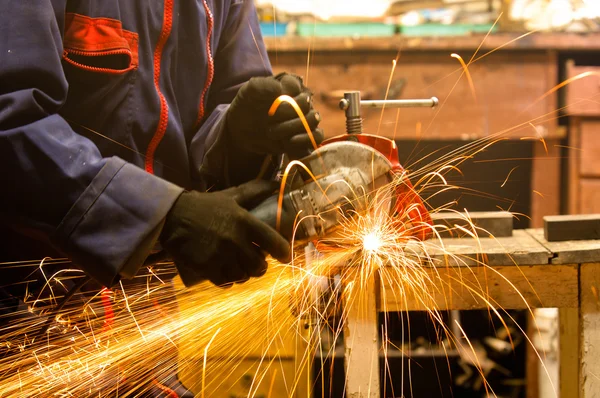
(371, 242)
(204, 363)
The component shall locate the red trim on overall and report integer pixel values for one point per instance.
(168, 391)
(164, 108)
(211, 65)
(98, 37)
(109, 315)
(159, 308)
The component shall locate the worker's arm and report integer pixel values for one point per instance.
(101, 212)
(234, 140)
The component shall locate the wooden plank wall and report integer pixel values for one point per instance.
(506, 98)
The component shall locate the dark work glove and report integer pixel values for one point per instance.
(252, 130)
(210, 236)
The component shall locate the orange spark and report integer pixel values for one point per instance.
(509, 173)
(290, 100)
(467, 73)
(387, 91)
(561, 85)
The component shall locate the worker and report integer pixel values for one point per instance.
(126, 124)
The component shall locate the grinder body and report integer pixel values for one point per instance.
(348, 171)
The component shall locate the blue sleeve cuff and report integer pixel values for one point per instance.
(207, 154)
(220, 166)
(113, 219)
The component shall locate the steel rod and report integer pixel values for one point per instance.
(404, 103)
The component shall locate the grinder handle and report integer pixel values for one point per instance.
(266, 211)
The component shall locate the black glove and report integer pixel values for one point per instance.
(252, 130)
(210, 236)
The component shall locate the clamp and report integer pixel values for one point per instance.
(351, 103)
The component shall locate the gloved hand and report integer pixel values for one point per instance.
(210, 236)
(252, 130)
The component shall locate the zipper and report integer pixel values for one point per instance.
(211, 66)
(121, 51)
(163, 120)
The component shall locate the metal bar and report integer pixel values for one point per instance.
(405, 103)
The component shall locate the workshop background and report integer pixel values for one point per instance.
(342, 45)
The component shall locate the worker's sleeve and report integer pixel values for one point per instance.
(98, 211)
(239, 56)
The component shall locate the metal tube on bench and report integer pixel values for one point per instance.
(405, 103)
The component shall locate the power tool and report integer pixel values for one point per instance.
(346, 171)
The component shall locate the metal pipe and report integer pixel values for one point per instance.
(404, 103)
